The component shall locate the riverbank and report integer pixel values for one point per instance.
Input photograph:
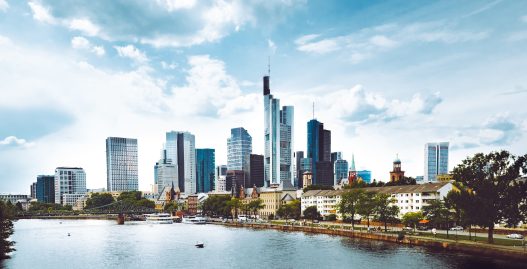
(476, 248)
(72, 217)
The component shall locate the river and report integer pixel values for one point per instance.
(104, 244)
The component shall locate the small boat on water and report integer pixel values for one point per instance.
(159, 218)
(200, 245)
(194, 220)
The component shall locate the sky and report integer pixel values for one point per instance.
(386, 77)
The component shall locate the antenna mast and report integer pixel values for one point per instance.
(313, 109)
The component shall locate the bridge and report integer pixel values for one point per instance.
(121, 208)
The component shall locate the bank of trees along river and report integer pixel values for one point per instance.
(488, 189)
(7, 214)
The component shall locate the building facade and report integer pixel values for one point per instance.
(205, 172)
(436, 160)
(319, 151)
(397, 173)
(256, 171)
(181, 149)
(235, 180)
(341, 170)
(221, 173)
(239, 149)
(364, 175)
(299, 155)
(165, 173)
(121, 164)
(69, 180)
(45, 192)
(278, 138)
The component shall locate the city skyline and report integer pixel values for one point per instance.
(386, 78)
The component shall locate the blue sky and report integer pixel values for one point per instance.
(386, 77)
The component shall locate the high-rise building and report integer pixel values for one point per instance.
(256, 171)
(336, 156)
(325, 175)
(319, 149)
(364, 175)
(181, 149)
(121, 164)
(341, 170)
(33, 190)
(45, 192)
(239, 147)
(165, 173)
(278, 138)
(299, 155)
(205, 172)
(234, 180)
(396, 174)
(436, 160)
(221, 173)
(69, 181)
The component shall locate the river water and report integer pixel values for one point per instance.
(104, 244)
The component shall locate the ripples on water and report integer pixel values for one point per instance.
(103, 244)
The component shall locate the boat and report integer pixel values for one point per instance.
(159, 218)
(194, 220)
(200, 245)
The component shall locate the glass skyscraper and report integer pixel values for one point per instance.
(181, 149)
(239, 149)
(319, 150)
(45, 192)
(341, 170)
(165, 173)
(436, 160)
(205, 174)
(278, 137)
(121, 164)
(365, 175)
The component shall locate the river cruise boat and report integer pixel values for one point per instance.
(194, 220)
(159, 218)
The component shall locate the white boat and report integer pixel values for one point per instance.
(159, 218)
(194, 220)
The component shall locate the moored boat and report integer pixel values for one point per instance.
(194, 220)
(159, 218)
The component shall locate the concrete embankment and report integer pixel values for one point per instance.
(450, 245)
(73, 217)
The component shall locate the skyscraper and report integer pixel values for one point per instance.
(121, 164)
(33, 190)
(256, 171)
(205, 174)
(299, 155)
(69, 181)
(221, 174)
(319, 150)
(239, 147)
(436, 160)
(165, 173)
(45, 189)
(278, 137)
(181, 150)
(341, 170)
(364, 175)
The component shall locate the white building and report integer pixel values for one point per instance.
(409, 198)
(221, 184)
(69, 180)
(72, 199)
(121, 164)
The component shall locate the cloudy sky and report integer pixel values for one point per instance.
(386, 77)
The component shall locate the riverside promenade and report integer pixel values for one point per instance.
(477, 248)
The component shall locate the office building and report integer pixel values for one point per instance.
(33, 190)
(165, 173)
(69, 180)
(45, 192)
(236, 180)
(239, 147)
(364, 175)
(221, 173)
(325, 175)
(436, 160)
(336, 156)
(256, 171)
(319, 150)
(181, 149)
(341, 170)
(305, 166)
(205, 169)
(121, 164)
(278, 138)
(299, 155)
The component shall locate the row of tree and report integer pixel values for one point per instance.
(7, 214)
(227, 206)
(130, 197)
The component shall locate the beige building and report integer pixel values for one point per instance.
(272, 198)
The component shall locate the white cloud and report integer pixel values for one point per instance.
(3, 5)
(14, 141)
(4, 40)
(382, 41)
(131, 52)
(41, 13)
(85, 26)
(271, 45)
(172, 5)
(170, 66)
(79, 42)
(320, 47)
(305, 38)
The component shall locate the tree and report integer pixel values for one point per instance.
(216, 205)
(99, 199)
(135, 198)
(348, 205)
(366, 205)
(290, 210)
(383, 210)
(318, 187)
(311, 213)
(235, 204)
(493, 179)
(411, 219)
(7, 213)
(255, 206)
(437, 213)
(331, 217)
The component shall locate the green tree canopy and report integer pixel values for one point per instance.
(348, 205)
(493, 178)
(366, 205)
(411, 219)
(311, 213)
(99, 199)
(384, 211)
(7, 213)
